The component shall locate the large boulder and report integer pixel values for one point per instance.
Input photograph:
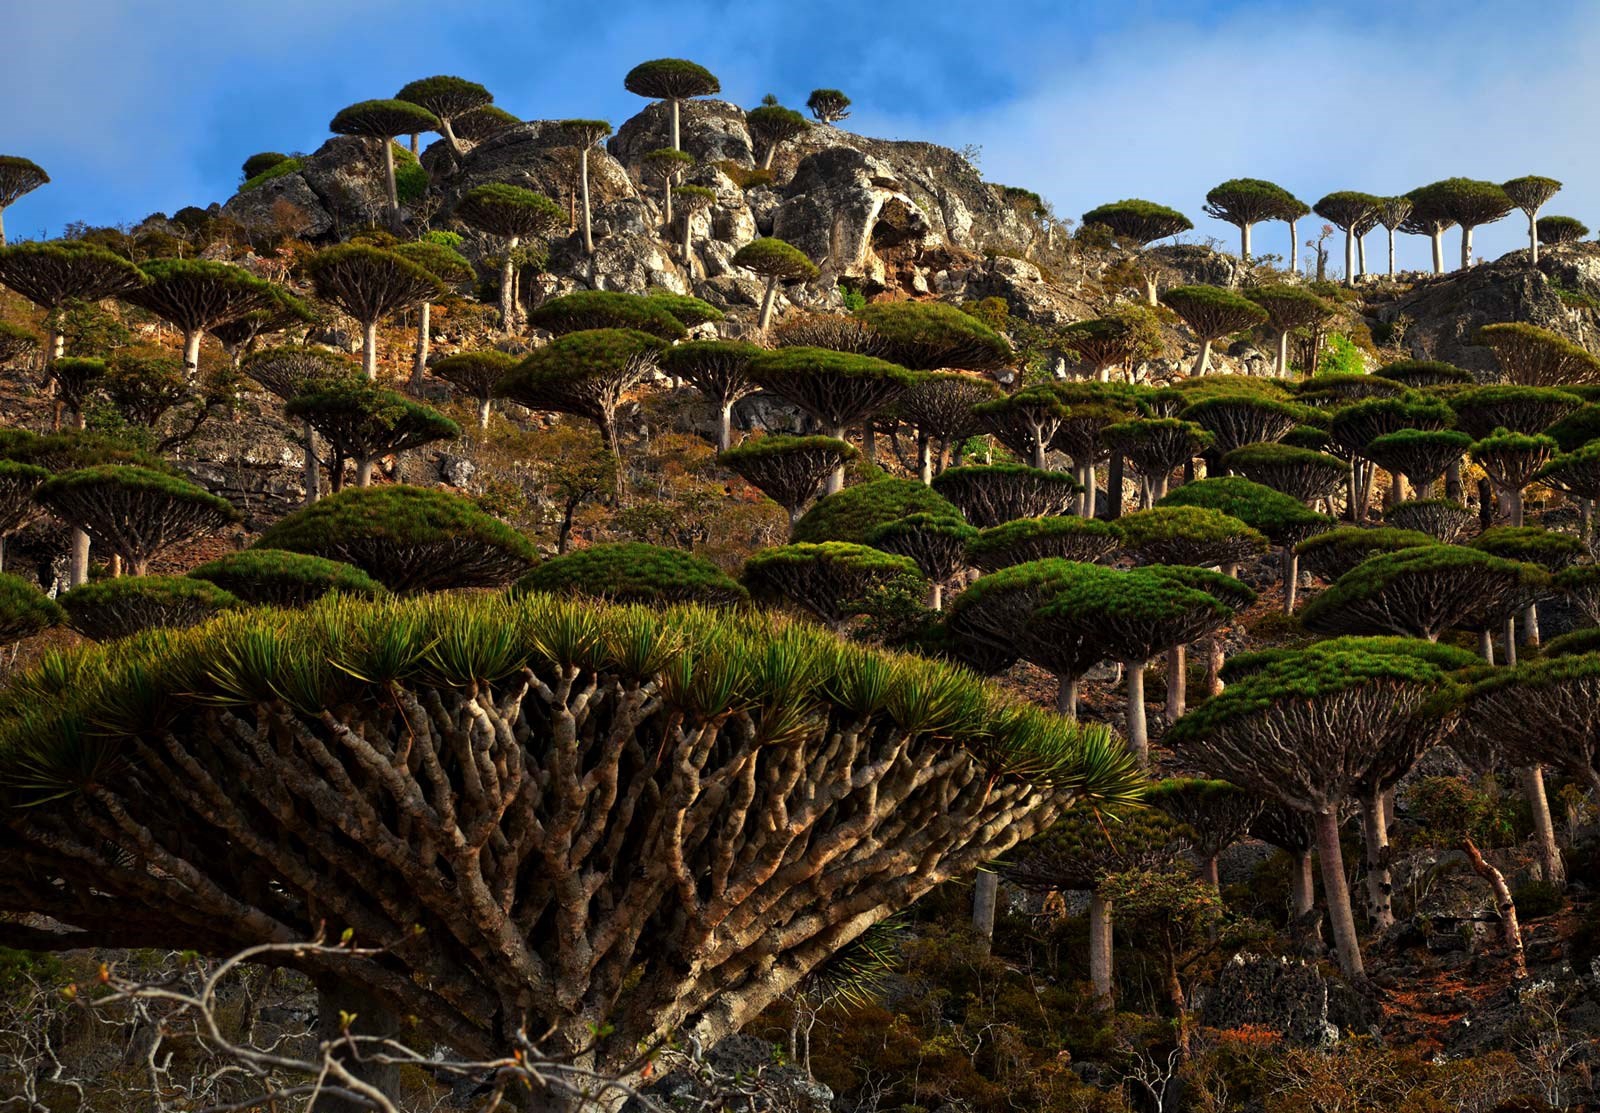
(710, 130)
(339, 188)
(537, 156)
(287, 203)
(847, 211)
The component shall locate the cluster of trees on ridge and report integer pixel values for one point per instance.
(590, 800)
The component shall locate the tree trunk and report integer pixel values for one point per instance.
(1514, 506)
(1555, 869)
(78, 564)
(836, 476)
(1150, 289)
(1511, 640)
(388, 177)
(1533, 237)
(484, 406)
(1304, 890)
(583, 190)
(767, 300)
(1294, 248)
(1244, 243)
(191, 354)
(1202, 361)
(1466, 247)
(936, 597)
(1337, 894)
(1438, 250)
(370, 1017)
(2, 226)
(724, 426)
(1361, 257)
(674, 102)
(1375, 839)
(1452, 481)
(1530, 625)
(1210, 874)
(688, 256)
(1283, 354)
(1503, 904)
(1291, 578)
(985, 898)
(508, 295)
(364, 471)
(1114, 486)
(1349, 257)
(1177, 682)
(311, 471)
(1100, 941)
(1391, 252)
(1214, 661)
(1486, 646)
(925, 459)
(666, 199)
(1067, 695)
(419, 363)
(1138, 730)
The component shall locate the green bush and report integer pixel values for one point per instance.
(24, 609)
(1341, 357)
(276, 578)
(124, 606)
(633, 572)
(278, 170)
(607, 309)
(852, 513)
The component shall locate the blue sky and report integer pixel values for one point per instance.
(148, 105)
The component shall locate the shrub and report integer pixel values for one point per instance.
(1537, 899)
(833, 580)
(126, 605)
(633, 572)
(930, 335)
(281, 169)
(24, 609)
(276, 578)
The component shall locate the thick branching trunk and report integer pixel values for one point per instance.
(339, 1002)
(1504, 905)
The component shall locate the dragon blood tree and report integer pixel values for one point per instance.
(838, 389)
(1357, 425)
(1288, 308)
(1214, 815)
(1428, 218)
(16, 343)
(998, 609)
(1353, 213)
(1292, 832)
(1421, 455)
(1481, 411)
(1577, 475)
(940, 406)
(275, 578)
(1530, 545)
(75, 379)
(1085, 540)
(1546, 710)
(364, 423)
(833, 581)
(1532, 356)
(409, 539)
(1419, 374)
(584, 135)
(118, 608)
(828, 105)
(427, 752)
(1079, 853)
(384, 121)
(513, 214)
(1244, 202)
(1211, 314)
(1092, 408)
(370, 283)
(592, 309)
(937, 544)
(18, 176)
(197, 295)
(775, 261)
(855, 511)
(1529, 194)
(1134, 225)
(633, 572)
(1349, 711)
(1300, 473)
(54, 273)
(1025, 422)
(773, 125)
(18, 482)
(1422, 592)
(788, 470)
(289, 371)
(1156, 447)
(1443, 520)
(1130, 617)
(672, 80)
(997, 493)
(439, 257)
(136, 513)
(1235, 420)
(1468, 203)
(719, 370)
(586, 374)
(1512, 461)
(1558, 231)
(930, 336)
(1330, 555)
(448, 98)
(1393, 212)
(476, 374)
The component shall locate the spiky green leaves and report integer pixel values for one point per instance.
(1212, 312)
(1136, 223)
(1530, 545)
(1332, 554)
(409, 539)
(24, 609)
(836, 388)
(1085, 540)
(475, 373)
(127, 605)
(53, 272)
(1349, 209)
(369, 283)
(508, 210)
(18, 176)
(276, 578)
(383, 119)
(789, 470)
(607, 309)
(852, 513)
(633, 572)
(1190, 536)
(1281, 518)
(671, 79)
(1422, 592)
(834, 580)
(928, 336)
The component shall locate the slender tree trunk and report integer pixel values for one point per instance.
(2, 537)
(1533, 237)
(388, 177)
(1214, 662)
(78, 563)
(371, 1017)
(1466, 247)
(1210, 874)
(419, 364)
(1304, 889)
(583, 190)
(1138, 729)
(484, 406)
(1244, 243)
(2, 226)
(1391, 252)
(674, 102)
(1202, 362)
(724, 426)
(1375, 838)
(1555, 869)
(836, 476)
(1452, 481)
(1514, 506)
(1486, 646)
(985, 899)
(1585, 520)
(369, 349)
(1507, 907)
(1282, 369)
(1100, 941)
(1510, 629)
(1177, 682)
(1349, 257)
(1067, 695)
(1337, 894)
(767, 301)
(364, 471)
(688, 254)
(666, 198)
(1114, 486)
(1040, 445)
(191, 353)
(1294, 248)
(1530, 625)
(508, 294)
(925, 458)
(1438, 250)
(311, 470)
(1361, 257)
(1291, 578)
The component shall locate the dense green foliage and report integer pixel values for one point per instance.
(852, 513)
(128, 605)
(24, 609)
(930, 335)
(1281, 518)
(606, 309)
(1087, 540)
(277, 578)
(1332, 554)
(633, 572)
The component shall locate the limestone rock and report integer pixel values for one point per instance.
(710, 130)
(283, 202)
(536, 156)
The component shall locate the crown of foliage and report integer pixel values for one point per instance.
(991, 494)
(1442, 519)
(407, 538)
(1512, 460)
(1332, 554)
(128, 605)
(1464, 201)
(938, 543)
(1577, 429)
(716, 367)
(1421, 592)
(689, 311)
(1086, 540)
(74, 448)
(1300, 473)
(476, 373)
(263, 161)
(1338, 388)
(849, 515)
(1419, 373)
(445, 263)
(1421, 454)
(1574, 643)
(445, 96)
(1137, 222)
(1214, 814)
(277, 578)
(668, 162)
(585, 133)
(365, 420)
(1248, 200)
(1349, 209)
(18, 176)
(290, 371)
(24, 609)
(671, 79)
(774, 445)
(383, 119)
(1532, 356)
(1530, 545)
(773, 258)
(1576, 473)
(1192, 389)
(633, 572)
(930, 335)
(828, 104)
(1235, 420)
(788, 470)
(832, 579)
(543, 377)
(483, 122)
(196, 293)
(1480, 410)
(606, 309)
(1448, 657)
(1132, 616)
(1230, 592)
(995, 613)
(1531, 191)
(1289, 307)
(52, 272)
(368, 282)
(1189, 535)
(1557, 230)
(773, 123)
(508, 210)
(1357, 425)
(125, 481)
(836, 388)
(1211, 311)
(1283, 519)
